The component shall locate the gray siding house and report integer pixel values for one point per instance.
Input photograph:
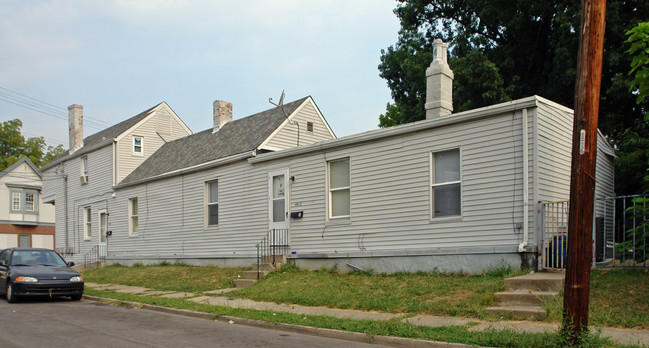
(453, 193)
(80, 181)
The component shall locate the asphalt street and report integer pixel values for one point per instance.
(64, 323)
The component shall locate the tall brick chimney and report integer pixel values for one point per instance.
(222, 114)
(439, 83)
(75, 122)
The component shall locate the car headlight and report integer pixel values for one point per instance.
(75, 279)
(26, 279)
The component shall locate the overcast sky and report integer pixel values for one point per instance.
(118, 58)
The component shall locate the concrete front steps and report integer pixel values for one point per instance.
(249, 278)
(525, 294)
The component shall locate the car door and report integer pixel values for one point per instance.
(4, 269)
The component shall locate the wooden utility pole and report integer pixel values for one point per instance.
(582, 183)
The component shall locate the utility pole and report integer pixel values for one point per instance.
(582, 177)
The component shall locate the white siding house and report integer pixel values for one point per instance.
(80, 181)
(389, 222)
(24, 220)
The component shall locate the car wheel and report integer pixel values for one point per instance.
(75, 297)
(11, 298)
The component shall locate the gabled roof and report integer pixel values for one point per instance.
(235, 137)
(101, 138)
(21, 161)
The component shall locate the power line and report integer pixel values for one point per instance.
(46, 113)
(46, 106)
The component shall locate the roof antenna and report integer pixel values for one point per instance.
(281, 106)
(281, 100)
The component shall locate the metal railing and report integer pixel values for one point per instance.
(554, 242)
(96, 255)
(274, 244)
(625, 223)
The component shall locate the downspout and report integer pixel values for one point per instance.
(65, 195)
(526, 193)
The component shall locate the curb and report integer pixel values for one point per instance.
(308, 330)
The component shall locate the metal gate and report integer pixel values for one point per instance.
(554, 240)
(619, 235)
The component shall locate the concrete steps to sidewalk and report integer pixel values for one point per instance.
(526, 294)
(249, 278)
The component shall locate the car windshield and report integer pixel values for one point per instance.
(36, 258)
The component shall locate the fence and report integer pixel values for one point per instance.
(620, 237)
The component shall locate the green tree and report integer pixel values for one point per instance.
(13, 146)
(501, 50)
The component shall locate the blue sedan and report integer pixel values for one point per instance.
(37, 272)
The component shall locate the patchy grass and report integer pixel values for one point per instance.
(618, 298)
(424, 293)
(395, 328)
(166, 277)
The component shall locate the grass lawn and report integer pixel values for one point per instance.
(619, 298)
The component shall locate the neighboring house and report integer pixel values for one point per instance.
(24, 220)
(80, 181)
(454, 193)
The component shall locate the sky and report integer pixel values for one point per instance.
(118, 58)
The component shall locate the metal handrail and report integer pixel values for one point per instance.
(96, 255)
(273, 244)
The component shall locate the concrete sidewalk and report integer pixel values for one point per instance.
(216, 298)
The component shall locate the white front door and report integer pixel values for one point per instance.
(278, 200)
(103, 227)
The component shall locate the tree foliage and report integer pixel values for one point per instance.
(14, 146)
(501, 50)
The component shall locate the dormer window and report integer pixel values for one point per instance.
(138, 146)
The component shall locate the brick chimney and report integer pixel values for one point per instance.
(439, 83)
(222, 114)
(75, 122)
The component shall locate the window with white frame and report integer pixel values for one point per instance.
(133, 222)
(446, 183)
(29, 201)
(339, 188)
(24, 201)
(212, 203)
(15, 201)
(138, 145)
(87, 223)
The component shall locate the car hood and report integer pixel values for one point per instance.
(44, 272)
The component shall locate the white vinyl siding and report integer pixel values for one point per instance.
(133, 216)
(87, 223)
(287, 136)
(446, 184)
(154, 132)
(339, 187)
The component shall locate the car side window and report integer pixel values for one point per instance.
(4, 256)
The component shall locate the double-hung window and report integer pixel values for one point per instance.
(29, 201)
(212, 203)
(133, 221)
(15, 201)
(138, 145)
(446, 183)
(339, 186)
(87, 223)
(24, 201)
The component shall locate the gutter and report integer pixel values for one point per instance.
(198, 167)
(405, 128)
